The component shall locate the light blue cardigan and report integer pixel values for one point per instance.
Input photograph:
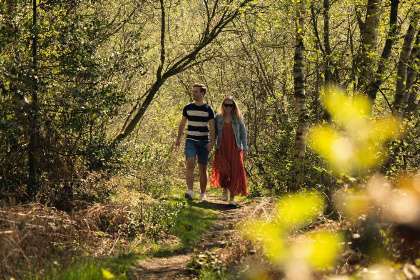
(238, 129)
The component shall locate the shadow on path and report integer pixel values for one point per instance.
(213, 205)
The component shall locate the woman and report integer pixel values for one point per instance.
(231, 151)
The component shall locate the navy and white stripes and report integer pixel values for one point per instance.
(198, 121)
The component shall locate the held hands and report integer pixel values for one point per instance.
(245, 155)
(210, 146)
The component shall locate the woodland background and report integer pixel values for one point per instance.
(92, 94)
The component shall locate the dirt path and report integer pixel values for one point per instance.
(175, 267)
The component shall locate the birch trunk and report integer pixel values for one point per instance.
(400, 90)
(369, 34)
(300, 98)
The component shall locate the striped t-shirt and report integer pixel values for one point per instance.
(198, 121)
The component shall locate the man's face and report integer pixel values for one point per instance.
(197, 95)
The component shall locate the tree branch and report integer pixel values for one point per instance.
(180, 66)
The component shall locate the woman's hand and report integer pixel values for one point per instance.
(245, 155)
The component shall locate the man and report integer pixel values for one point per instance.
(199, 140)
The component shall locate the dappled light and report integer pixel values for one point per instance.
(210, 140)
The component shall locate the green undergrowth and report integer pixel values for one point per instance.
(185, 230)
(96, 269)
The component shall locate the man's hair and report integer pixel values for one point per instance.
(202, 87)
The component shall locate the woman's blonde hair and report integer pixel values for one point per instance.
(235, 111)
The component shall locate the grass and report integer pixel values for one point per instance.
(211, 274)
(192, 221)
(95, 269)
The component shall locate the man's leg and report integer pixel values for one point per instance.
(204, 176)
(189, 173)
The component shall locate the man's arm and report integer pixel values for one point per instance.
(212, 134)
(180, 131)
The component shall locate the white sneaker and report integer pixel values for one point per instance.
(224, 196)
(189, 195)
(232, 202)
(203, 197)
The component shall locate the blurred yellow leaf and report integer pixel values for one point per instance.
(275, 250)
(324, 248)
(269, 234)
(360, 145)
(256, 230)
(298, 209)
(321, 138)
(346, 110)
(107, 275)
(384, 129)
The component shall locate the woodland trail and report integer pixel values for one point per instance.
(223, 229)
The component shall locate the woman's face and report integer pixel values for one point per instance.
(228, 106)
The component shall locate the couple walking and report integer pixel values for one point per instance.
(227, 131)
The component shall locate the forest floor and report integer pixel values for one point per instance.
(223, 231)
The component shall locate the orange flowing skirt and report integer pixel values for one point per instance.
(228, 168)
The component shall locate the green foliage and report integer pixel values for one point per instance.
(158, 219)
(254, 190)
(81, 82)
(274, 166)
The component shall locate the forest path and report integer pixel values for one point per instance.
(222, 230)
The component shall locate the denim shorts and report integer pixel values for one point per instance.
(197, 149)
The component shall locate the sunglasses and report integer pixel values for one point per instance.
(229, 105)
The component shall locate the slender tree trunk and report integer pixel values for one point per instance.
(300, 98)
(369, 34)
(412, 77)
(284, 88)
(317, 89)
(328, 52)
(33, 112)
(10, 12)
(400, 89)
(372, 88)
(326, 56)
(255, 138)
(353, 74)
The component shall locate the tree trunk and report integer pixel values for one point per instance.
(33, 112)
(369, 33)
(372, 88)
(328, 51)
(402, 95)
(300, 98)
(353, 73)
(412, 77)
(326, 56)
(400, 90)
